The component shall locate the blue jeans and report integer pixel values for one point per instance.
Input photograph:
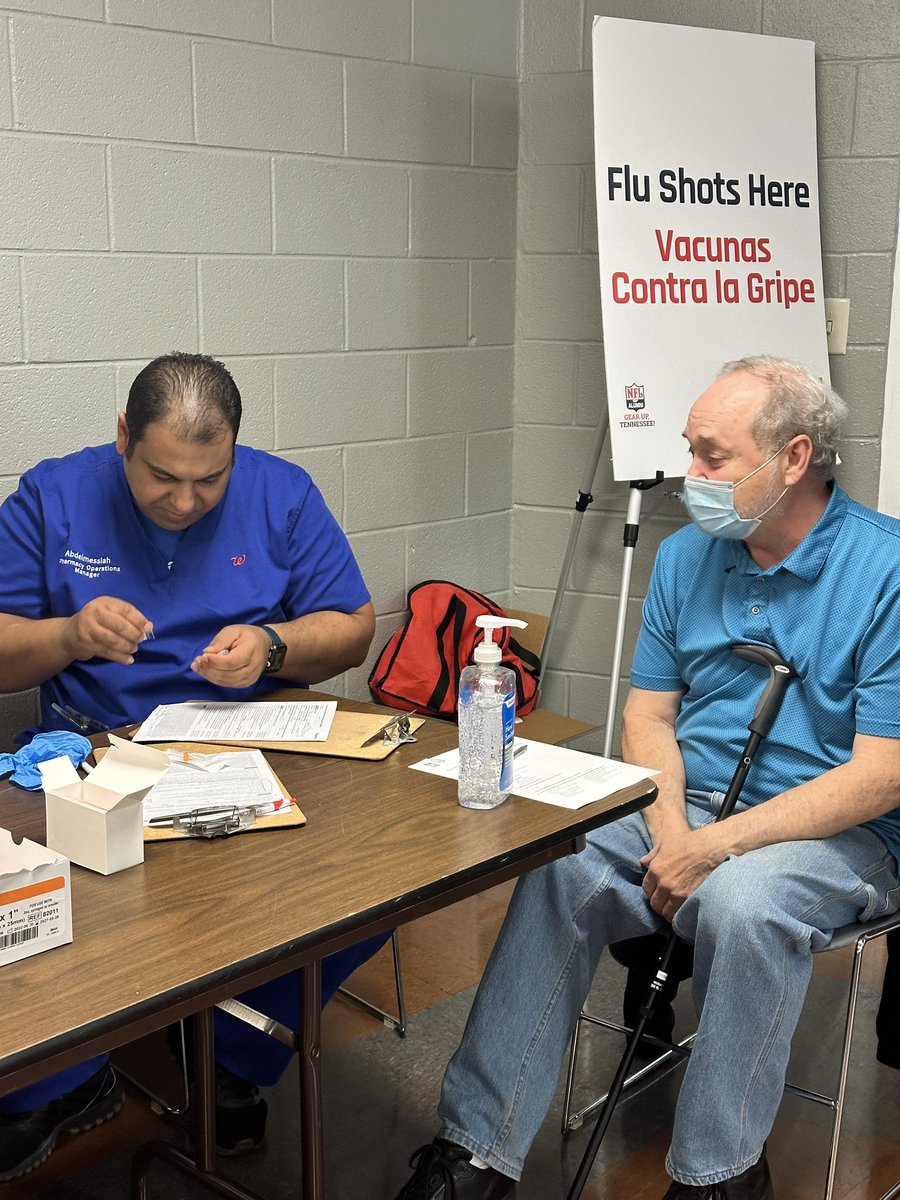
(754, 923)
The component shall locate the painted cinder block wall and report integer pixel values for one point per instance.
(559, 384)
(382, 216)
(323, 194)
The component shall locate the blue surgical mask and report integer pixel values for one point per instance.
(710, 505)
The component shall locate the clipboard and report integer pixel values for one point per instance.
(345, 739)
(291, 818)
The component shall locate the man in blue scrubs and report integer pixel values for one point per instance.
(777, 554)
(171, 565)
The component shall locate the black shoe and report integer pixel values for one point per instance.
(240, 1110)
(753, 1184)
(240, 1114)
(27, 1139)
(443, 1171)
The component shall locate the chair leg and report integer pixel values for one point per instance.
(855, 976)
(398, 1022)
(893, 1192)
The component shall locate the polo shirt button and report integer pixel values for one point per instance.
(755, 610)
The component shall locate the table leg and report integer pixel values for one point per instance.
(310, 1062)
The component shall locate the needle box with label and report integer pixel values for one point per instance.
(35, 899)
(96, 822)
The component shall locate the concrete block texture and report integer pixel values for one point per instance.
(397, 303)
(549, 209)
(75, 77)
(545, 382)
(869, 283)
(270, 305)
(91, 10)
(245, 20)
(6, 112)
(190, 201)
(473, 552)
(460, 391)
(326, 466)
(93, 307)
(407, 113)
(878, 108)
(462, 214)
(495, 122)
(551, 36)
(396, 484)
(492, 302)
(268, 98)
(555, 119)
(468, 35)
(51, 411)
(10, 310)
(840, 30)
(859, 473)
(549, 462)
(35, 212)
(590, 390)
(859, 204)
(859, 377)
(489, 472)
(382, 560)
(558, 297)
(379, 30)
(836, 86)
(340, 208)
(333, 399)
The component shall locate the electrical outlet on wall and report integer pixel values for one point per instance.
(837, 322)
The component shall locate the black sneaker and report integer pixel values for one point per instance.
(753, 1184)
(27, 1139)
(443, 1171)
(240, 1114)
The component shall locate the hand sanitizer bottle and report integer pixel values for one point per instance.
(487, 715)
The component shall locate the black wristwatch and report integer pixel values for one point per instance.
(277, 651)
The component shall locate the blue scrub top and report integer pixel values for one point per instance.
(270, 551)
(831, 608)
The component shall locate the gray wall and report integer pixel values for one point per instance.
(370, 210)
(559, 374)
(322, 194)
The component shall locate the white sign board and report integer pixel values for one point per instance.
(708, 218)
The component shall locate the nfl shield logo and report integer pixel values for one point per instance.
(634, 396)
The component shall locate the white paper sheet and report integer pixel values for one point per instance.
(242, 778)
(552, 774)
(238, 721)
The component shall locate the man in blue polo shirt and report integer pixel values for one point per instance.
(777, 554)
(172, 565)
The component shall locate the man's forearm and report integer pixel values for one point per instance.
(856, 791)
(323, 644)
(650, 742)
(30, 651)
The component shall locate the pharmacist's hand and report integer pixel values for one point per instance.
(105, 628)
(235, 658)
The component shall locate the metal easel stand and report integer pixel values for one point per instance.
(630, 538)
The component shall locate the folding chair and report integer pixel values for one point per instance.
(857, 935)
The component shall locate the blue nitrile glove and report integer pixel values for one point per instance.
(24, 763)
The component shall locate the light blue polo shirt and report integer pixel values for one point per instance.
(831, 608)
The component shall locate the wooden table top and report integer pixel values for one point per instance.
(201, 920)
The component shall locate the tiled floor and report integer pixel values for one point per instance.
(381, 1092)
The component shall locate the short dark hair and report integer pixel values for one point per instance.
(192, 393)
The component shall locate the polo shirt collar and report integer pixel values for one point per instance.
(807, 559)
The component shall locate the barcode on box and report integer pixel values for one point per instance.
(19, 936)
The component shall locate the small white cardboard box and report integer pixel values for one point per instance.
(35, 899)
(96, 822)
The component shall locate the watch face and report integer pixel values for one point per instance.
(275, 661)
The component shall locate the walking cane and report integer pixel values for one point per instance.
(780, 674)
